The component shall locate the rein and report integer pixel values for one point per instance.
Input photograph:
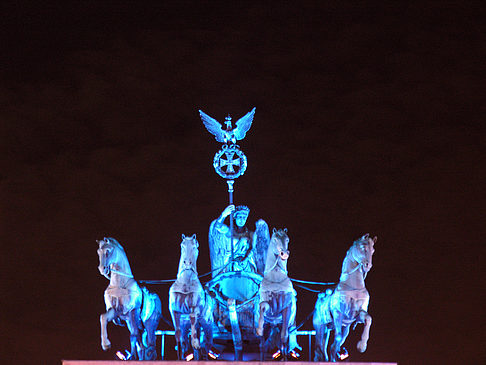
(352, 271)
(358, 267)
(121, 273)
(273, 267)
(193, 269)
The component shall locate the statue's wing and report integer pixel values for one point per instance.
(261, 239)
(218, 245)
(213, 126)
(243, 125)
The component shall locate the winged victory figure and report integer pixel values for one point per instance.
(229, 134)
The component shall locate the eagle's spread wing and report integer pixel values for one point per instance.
(213, 126)
(243, 125)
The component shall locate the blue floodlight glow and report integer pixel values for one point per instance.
(343, 354)
(214, 353)
(277, 355)
(121, 356)
(295, 354)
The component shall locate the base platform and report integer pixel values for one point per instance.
(170, 362)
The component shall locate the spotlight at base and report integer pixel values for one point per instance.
(277, 355)
(121, 356)
(188, 356)
(343, 354)
(214, 353)
(295, 354)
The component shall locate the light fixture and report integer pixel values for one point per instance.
(214, 353)
(343, 354)
(188, 356)
(277, 354)
(295, 354)
(121, 356)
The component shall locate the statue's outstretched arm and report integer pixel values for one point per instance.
(219, 224)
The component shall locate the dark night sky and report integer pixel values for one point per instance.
(369, 119)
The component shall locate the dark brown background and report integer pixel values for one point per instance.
(369, 119)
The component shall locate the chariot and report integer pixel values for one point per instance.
(247, 310)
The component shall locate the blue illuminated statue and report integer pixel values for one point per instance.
(347, 304)
(237, 262)
(126, 301)
(189, 306)
(238, 255)
(248, 247)
(278, 303)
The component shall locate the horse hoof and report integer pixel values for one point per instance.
(106, 345)
(361, 346)
(259, 332)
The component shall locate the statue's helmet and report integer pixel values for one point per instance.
(242, 210)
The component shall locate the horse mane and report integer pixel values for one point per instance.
(114, 242)
(362, 239)
(280, 233)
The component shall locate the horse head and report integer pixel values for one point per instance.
(106, 254)
(362, 251)
(281, 243)
(189, 254)
(112, 258)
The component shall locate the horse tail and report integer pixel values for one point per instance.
(151, 306)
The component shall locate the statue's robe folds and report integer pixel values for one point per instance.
(249, 248)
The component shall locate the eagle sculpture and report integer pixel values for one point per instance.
(229, 134)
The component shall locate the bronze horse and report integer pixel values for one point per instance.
(278, 304)
(188, 304)
(347, 304)
(126, 301)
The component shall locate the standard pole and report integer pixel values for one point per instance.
(230, 192)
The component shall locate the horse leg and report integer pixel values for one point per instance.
(326, 343)
(344, 335)
(136, 344)
(284, 334)
(150, 326)
(292, 331)
(104, 319)
(262, 349)
(151, 340)
(338, 335)
(194, 332)
(149, 329)
(318, 353)
(366, 318)
(176, 320)
(264, 306)
(207, 326)
(185, 341)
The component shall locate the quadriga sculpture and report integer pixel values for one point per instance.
(189, 306)
(126, 301)
(347, 304)
(278, 303)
